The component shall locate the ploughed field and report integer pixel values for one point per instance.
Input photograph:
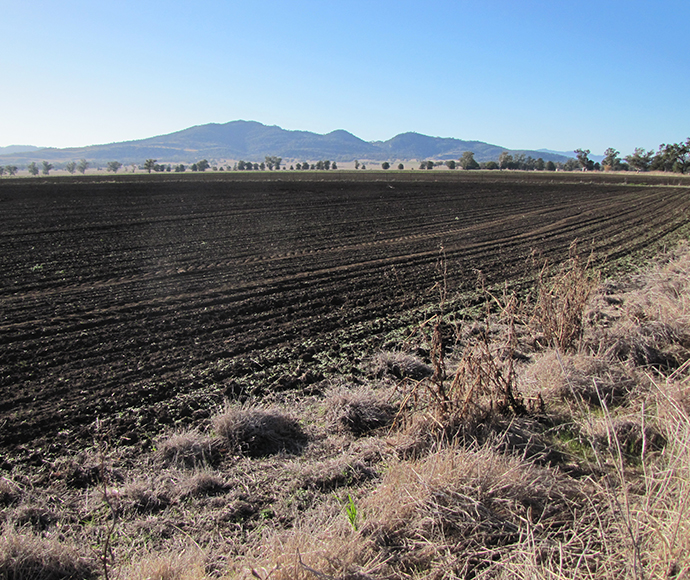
(134, 303)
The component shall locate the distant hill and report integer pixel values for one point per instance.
(252, 141)
(17, 149)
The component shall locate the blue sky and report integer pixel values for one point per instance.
(520, 74)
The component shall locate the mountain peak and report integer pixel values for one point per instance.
(252, 141)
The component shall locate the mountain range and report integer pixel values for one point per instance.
(252, 141)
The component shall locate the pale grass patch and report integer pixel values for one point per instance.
(580, 377)
(322, 546)
(201, 483)
(664, 509)
(649, 321)
(187, 448)
(361, 410)
(456, 510)
(26, 556)
(399, 365)
(188, 564)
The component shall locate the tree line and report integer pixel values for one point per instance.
(673, 157)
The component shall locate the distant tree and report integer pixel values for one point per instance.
(319, 165)
(2, 170)
(450, 164)
(202, 165)
(194, 167)
(386, 165)
(292, 167)
(33, 168)
(327, 164)
(586, 164)
(273, 162)
(262, 166)
(82, 166)
(401, 166)
(334, 166)
(611, 161)
(11, 169)
(673, 157)
(71, 166)
(298, 167)
(491, 165)
(663, 159)
(505, 161)
(363, 166)
(539, 164)
(640, 160)
(467, 161)
(571, 165)
(356, 164)
(114, 166)
(305, 165)
(46, 167)
(150, 164)
(550, 166)
(180, 168)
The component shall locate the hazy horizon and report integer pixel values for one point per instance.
(533, 75)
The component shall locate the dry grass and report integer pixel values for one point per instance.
(186, 449)
(26, 556)
(360, 411)
(562, 298)
(572, 462)
(646, 319)
(399, 365)
(256, 431)
(10, 492)
(187, 564)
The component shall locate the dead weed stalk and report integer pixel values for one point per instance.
(561, 301)
(484, 379)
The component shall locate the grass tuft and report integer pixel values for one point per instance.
(399, 365)
(186, 449)
(359, 411)
(25, 556)
(257, 432)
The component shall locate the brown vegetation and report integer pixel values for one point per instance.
(523, 451)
